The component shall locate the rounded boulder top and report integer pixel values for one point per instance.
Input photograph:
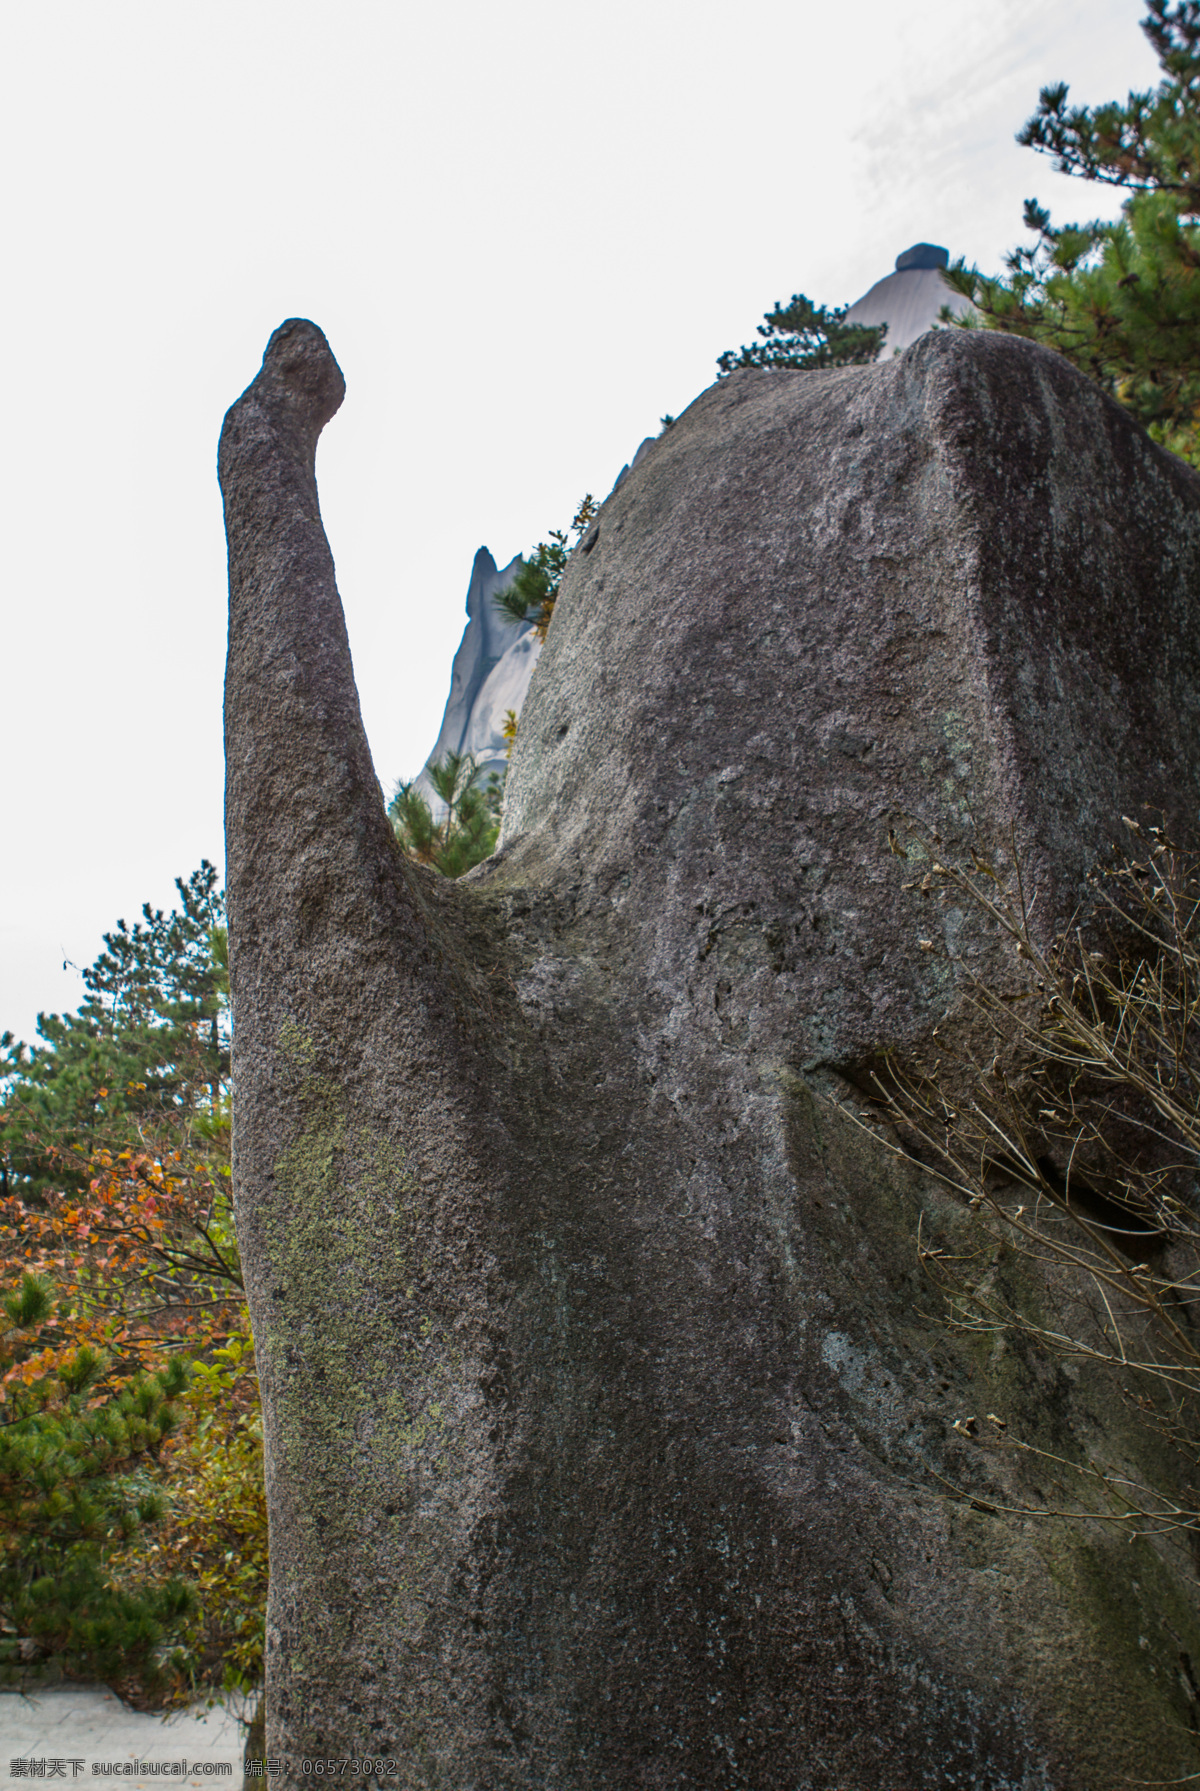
(922, 255)
(299, 357)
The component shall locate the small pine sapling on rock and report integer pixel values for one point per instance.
(531, 595)
(466, 833)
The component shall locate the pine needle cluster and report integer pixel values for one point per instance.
(1121, 300)
(469, 826)
(533, 592)
(72, 1443)
(802, 335)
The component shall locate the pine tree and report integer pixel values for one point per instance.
(120, 1281)
(150, 1042)
(70, 1494)
(467, 831)
(803, 335)
(532, 594)
(1120, 300)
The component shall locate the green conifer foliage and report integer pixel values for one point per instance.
(70, 1495)
(531, 595)
(467, 831)
(120, 1283)
(149, 1043)
(1121, 300)
(803, 335)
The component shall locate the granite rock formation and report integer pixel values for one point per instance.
(495, 659)
(609, 1436)
(490, 675)
(910, 299)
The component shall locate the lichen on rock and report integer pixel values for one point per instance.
(609, 1439)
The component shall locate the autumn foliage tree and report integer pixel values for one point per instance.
(122, 1288)
(114, 1140)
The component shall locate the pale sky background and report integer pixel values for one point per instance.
(527, 231)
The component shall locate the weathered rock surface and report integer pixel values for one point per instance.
(604, 1415)
(495, 659)
(490, 675)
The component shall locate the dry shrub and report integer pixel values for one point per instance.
(1063, 1105)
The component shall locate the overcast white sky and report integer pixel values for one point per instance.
(527, 231)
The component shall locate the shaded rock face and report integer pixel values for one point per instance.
(961, 585)
(608, 1435)
(922, 255)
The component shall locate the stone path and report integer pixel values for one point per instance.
(94, 1736)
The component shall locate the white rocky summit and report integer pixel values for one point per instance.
(490, 675)
(909, 300)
